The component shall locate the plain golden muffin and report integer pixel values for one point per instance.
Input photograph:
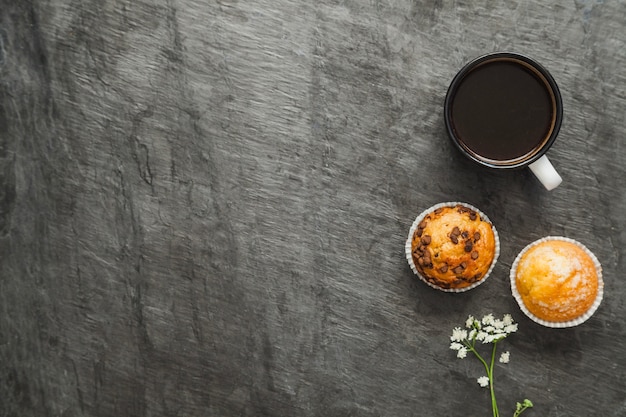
(557, 280)
(452, 247)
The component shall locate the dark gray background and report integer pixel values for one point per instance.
(204, 206)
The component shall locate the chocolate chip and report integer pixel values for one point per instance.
(474, 255)
(465, 234)
(476, 236)
(463, 265)
(472, 215)
(427, 260)
(422, 224)
(455, 231)
(426, 240)
(420, 261)
(458, 270)
(468, 246)
(443, 269)
(419, 231)
(439, 210)
(454, 239)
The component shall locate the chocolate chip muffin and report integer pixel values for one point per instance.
(453, 246)
(557, 282)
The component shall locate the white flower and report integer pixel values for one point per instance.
(460, 348)
(511, 328)
(507, 320)
(481, 336)
(469, 323)
(498, 324)
(504, 357)
(456, 346)
(458, 335)
(462, 353)
(488, 319)
(472, 334)
(483, 381)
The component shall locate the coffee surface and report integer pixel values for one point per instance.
(502, 111)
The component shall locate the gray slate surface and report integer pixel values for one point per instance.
(203, 207)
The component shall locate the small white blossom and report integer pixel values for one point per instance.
(499, 336)
(458, 335)
(507, 320)
(472, 334)
(511, 328)
(456, 346)
(498, 324)
(483, 381)
(504, 357)
(481, 336)
(488, 319)
(462, 353)
(469, 323)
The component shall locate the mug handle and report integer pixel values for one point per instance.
(545, 173)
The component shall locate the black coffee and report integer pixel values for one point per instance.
(502, 111)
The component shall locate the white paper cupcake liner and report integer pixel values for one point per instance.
(557, 324)
(409, 255)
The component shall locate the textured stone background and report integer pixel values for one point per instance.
(204, 206)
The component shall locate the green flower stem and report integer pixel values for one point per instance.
(494, 406)
(489, 370)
